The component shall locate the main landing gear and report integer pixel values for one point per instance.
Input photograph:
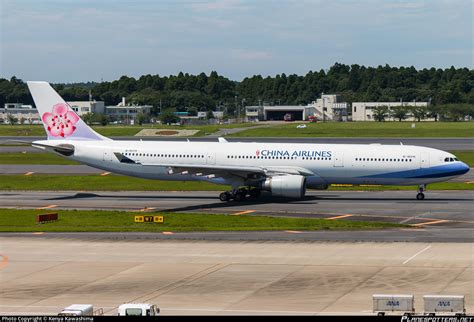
(240, 194)
(421, 195)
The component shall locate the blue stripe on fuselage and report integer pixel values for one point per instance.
(445, 170)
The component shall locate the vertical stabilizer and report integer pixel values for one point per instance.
(59, 120)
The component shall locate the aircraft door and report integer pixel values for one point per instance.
(107, 155)
(339, 159)
(211, 157)
(424, 160)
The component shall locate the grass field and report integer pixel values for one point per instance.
(365, 129)
(16, 220)
(327, 129)
(465, 156)
(118, 130)
(122, 183)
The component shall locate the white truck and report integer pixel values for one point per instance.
(77, 310)
(138, 309)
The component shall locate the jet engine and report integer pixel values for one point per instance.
(290, 186)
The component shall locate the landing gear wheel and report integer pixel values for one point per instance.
(225, 196)
(255, 193)
(240, 195)
(420, 196)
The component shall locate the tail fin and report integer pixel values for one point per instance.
(59, 120)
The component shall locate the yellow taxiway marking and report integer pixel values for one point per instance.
(243, 212)
(168, 233)
(38, 233)
(105, 173)
(47, 207)
(430, 223)
(293, 232)
(4, 261)
(339, 217)
(29, 173)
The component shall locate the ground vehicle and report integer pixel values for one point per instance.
(77, 310)
(138, 309)
(301, 126)
(312, 119)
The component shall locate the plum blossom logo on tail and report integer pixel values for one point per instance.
(61, 121)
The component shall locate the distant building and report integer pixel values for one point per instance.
(24, 114)
(363, 111)
(253, 113)
(215, 114)
(330, 107)
(84, 107)
(126, 114)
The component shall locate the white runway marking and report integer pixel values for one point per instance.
(421, 251)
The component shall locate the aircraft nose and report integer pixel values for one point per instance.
(464, 167)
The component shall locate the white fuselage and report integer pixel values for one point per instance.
(330, 163)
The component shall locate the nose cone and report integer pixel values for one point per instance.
(463, 168)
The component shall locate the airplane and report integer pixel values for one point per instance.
(284, 169)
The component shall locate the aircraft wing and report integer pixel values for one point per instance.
(222, 170)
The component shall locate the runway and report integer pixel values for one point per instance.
(443, 216)
(446, 144)
(42, 276)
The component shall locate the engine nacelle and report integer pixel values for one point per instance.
(290, 186)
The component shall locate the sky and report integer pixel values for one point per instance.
(94, 40)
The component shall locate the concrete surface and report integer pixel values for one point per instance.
(41, 276)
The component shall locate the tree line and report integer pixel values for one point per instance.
(450, 88)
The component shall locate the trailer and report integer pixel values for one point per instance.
(444, 304)
(383, 303)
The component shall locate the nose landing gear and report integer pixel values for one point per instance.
(421, 195)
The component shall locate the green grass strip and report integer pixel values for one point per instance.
(365, 129)
(122, 130)
(99, 183)
(24, 220)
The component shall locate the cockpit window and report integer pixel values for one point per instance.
(450, 159)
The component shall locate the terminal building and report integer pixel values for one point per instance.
(364, 111)
(326, 108)
(84, 107)
(126, 114)
(23, 114)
